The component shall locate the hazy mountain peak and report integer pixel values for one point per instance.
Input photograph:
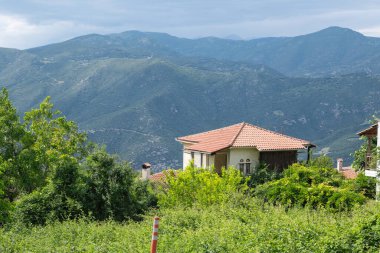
(337, 31)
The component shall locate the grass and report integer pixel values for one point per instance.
(246, 226)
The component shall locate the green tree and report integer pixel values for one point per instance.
(11, 135)
(323, 161)
(48, 138)
(112, 189)
(58, 200)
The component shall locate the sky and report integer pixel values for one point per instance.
(32, 23)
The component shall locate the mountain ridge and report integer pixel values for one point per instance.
(342, 51)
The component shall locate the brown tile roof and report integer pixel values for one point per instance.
(243, 135)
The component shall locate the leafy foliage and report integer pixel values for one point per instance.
(229, 227)
(323, 161)
(53, 173)
(262, 174)
(11, 134)
(112, 189)
(59, 200)
(201, 186)
(364, 185)
(103, 189)
(360, 154)
(49, 139)
(310, 186)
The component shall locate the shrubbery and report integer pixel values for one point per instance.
(200, 186)
(262, 174)
(243, 227)
(364, 185)
(313, 187)
(104, 188)
(112, 189)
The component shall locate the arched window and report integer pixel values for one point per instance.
(241, 166)
(245, 167)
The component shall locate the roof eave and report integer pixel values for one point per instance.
(363, 132)
(185, 141)
(279, 150)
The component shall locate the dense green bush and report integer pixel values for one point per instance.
(262, 174)
(364, 185)
(105, 189)
(112, 189)
(201, 186)
(310, 186)
(40, 207)
(59, 200)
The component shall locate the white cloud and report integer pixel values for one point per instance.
(18, 32)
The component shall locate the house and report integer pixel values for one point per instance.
(347, 172)
(243, 146)
(158, 177)
(370, 133)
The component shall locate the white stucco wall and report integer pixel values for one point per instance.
(211, 160)
(197, 159)
(235, 154)
(186, 158)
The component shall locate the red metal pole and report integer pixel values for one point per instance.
(153, 246)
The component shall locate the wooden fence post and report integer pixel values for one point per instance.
(153, 246)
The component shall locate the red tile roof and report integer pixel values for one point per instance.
(160, 176)
(243, 135)
(348, 173)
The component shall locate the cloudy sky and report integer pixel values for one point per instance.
(30, 23)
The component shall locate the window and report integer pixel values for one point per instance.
(241, 167)
(192, 155)
(201, 160)
(245, 166)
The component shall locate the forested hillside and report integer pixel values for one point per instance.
(136, 92)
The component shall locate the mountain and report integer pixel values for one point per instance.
(136, 92)
(331, 51)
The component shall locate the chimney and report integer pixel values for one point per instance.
(339, 164)
(145, 172)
